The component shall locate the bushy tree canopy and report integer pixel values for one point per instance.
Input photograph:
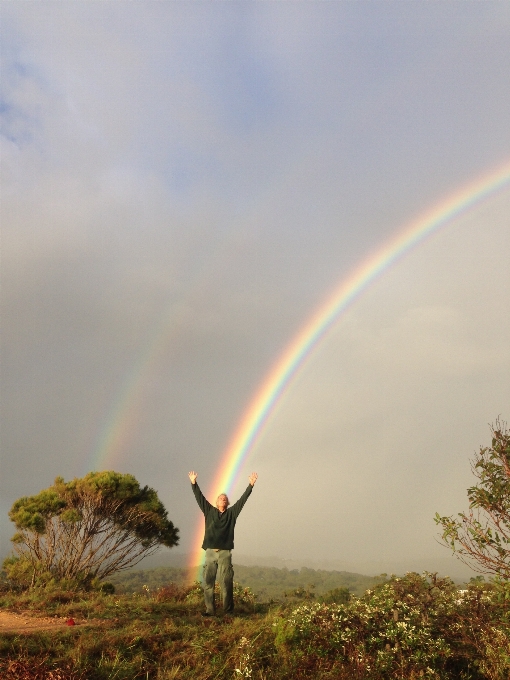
(90, 527)
(481, 537)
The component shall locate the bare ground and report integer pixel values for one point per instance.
(24, 622)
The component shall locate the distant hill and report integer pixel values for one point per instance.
(272, 582)
(266, 582)
(445, 566)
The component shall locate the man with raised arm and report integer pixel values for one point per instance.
(219, 542)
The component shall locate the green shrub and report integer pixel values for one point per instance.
(244, 598)
(107, 588)
(336, 596)
(19, 570)
(416, 626)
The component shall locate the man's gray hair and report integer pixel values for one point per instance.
(223, 494)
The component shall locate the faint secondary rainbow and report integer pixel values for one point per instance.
(121, 421)
(278, 379)
(120, 424)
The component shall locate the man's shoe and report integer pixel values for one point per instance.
(207, 614)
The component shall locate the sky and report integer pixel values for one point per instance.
(183, 185)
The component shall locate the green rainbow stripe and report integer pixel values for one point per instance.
(278, 380)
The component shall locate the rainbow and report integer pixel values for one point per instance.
(120, 424)
(279, 378)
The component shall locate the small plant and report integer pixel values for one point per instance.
(336, 596)
(243, 667)
(171, 593)
(244, 596)
(107, 588)
(194, 593)
(301, 593)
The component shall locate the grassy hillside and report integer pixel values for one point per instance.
(412, 627)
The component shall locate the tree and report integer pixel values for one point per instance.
(481, 537)
(89, 528)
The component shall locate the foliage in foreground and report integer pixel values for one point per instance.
(482, 535)
(87, 528)
(417, 626)
(410, 627)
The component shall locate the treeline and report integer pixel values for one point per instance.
(274, 583)
(268, 583)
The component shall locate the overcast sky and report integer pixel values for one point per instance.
(182, 185)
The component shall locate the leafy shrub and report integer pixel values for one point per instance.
(336, 596)
(244, 598)
(301, 593)
(21, 571)
(416, 626)
(481, 628)
(107, 588)
(173, 592)
(195, 594)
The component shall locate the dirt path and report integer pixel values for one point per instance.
(23, 622)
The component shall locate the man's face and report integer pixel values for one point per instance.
(222, 502)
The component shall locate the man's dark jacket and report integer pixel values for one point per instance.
(219, 526)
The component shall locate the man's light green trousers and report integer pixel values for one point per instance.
(218, 563)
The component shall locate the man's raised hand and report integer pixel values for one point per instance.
(192, 477)
(253, 478)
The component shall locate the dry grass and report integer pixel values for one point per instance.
(38, 669)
